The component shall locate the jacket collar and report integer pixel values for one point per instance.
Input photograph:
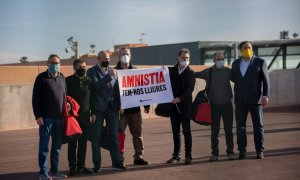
(118, 66)
(186, 69)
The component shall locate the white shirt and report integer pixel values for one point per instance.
(181, 70)
(244, 66)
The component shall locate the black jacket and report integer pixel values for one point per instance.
(79, 89)
(255, 83)
(183, 87)
(48, 95)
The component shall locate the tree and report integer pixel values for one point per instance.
(23, 59)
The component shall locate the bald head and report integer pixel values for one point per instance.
(103, 56)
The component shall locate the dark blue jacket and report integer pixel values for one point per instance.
(255, 83)
(103, 95)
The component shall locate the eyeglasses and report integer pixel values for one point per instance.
(219, 59)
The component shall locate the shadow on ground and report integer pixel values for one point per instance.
(132, 168)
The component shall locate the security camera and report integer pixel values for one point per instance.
(70, 40)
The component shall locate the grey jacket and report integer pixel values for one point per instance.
(220, 91)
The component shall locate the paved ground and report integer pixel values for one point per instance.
(18, 153)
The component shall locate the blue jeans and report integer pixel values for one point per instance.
(241, 112)
(111, 119)
(184, 120)
(53, 128)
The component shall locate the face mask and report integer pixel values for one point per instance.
(220, 64)
(105, 63)
(247, 53)
(125, 59)
(54, 68)
(184, 63)
(81, 72)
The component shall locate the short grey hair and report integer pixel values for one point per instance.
(218, 53)
(183, 50)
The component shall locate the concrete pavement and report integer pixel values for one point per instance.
(18, 153)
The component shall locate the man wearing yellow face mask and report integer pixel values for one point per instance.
(251, 92)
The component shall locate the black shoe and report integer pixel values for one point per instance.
(96, 170)
(213, 158)
(140, 162)
(260, 155)
(188, 161)
(188, 157)
(242, 155)
(119, 167)
(58, 175)
(174, 159)
(84, 170)
(72, 172)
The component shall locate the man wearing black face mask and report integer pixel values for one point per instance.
(105, 103)
(78, 88)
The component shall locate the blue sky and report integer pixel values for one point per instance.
(37, 28)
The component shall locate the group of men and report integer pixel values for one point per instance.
(97, 92)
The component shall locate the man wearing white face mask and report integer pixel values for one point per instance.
(220, 95)
(183, 81)
(132, 117)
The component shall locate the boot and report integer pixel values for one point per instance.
(188, 157)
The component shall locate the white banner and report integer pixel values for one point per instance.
(139, 87)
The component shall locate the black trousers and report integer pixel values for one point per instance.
(77, 147)
(183, 119)
(241, 112)
(226, 112)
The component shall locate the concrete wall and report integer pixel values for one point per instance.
(25, 74)
(16, 109)
(285, 87)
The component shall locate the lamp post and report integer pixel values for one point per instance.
(74, 46)
(141, 39)
(92, 48)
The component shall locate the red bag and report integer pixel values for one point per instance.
(203, 114)
(121, 139)
(72, 127)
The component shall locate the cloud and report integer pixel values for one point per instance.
(11, 57)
